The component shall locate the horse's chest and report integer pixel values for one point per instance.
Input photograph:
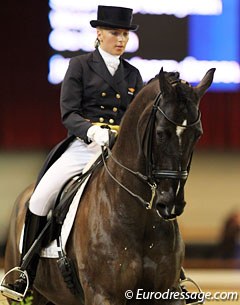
(162, 238)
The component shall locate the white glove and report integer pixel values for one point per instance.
(98, 135)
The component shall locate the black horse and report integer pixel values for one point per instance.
(125, 236)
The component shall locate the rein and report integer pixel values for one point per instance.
(152, 174)
(146, 204)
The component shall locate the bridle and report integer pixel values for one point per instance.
(152, 174)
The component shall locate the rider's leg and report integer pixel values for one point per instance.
(72, 162)
(32, 228)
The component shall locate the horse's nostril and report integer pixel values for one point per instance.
(161, 206)
(162, 209)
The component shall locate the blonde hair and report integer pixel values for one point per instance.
(96, 43)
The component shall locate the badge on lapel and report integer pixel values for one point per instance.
(131, 91)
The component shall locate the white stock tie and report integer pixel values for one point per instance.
(112, 65)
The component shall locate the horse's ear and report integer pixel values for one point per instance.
(165, 87)
(205, 83)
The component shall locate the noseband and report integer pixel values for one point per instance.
(154, 174)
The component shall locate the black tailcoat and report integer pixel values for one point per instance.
(90, 94)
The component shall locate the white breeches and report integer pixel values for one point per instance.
(71, 163)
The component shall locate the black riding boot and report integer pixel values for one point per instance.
(33, 227)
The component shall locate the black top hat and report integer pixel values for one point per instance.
(114, 17)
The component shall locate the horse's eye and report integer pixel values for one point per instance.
(161, 135)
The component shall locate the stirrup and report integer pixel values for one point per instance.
(188, 279)
(8, 292)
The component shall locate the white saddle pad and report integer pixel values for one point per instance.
(52, 250)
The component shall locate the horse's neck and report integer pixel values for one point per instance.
(126, 161)
(128, 153)
(127, 149)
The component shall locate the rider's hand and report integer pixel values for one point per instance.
(98, 135)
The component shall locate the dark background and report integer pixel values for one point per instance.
(29, 105)
(159, 37)
(29, 116)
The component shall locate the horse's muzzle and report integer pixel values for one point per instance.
(170, 210)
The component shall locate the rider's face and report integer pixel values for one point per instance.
(113, 41)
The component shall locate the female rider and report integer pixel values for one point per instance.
(97, 89)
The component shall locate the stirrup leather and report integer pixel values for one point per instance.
(188, 279)
(8, 292)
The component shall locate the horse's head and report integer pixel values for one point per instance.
(171, 132)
